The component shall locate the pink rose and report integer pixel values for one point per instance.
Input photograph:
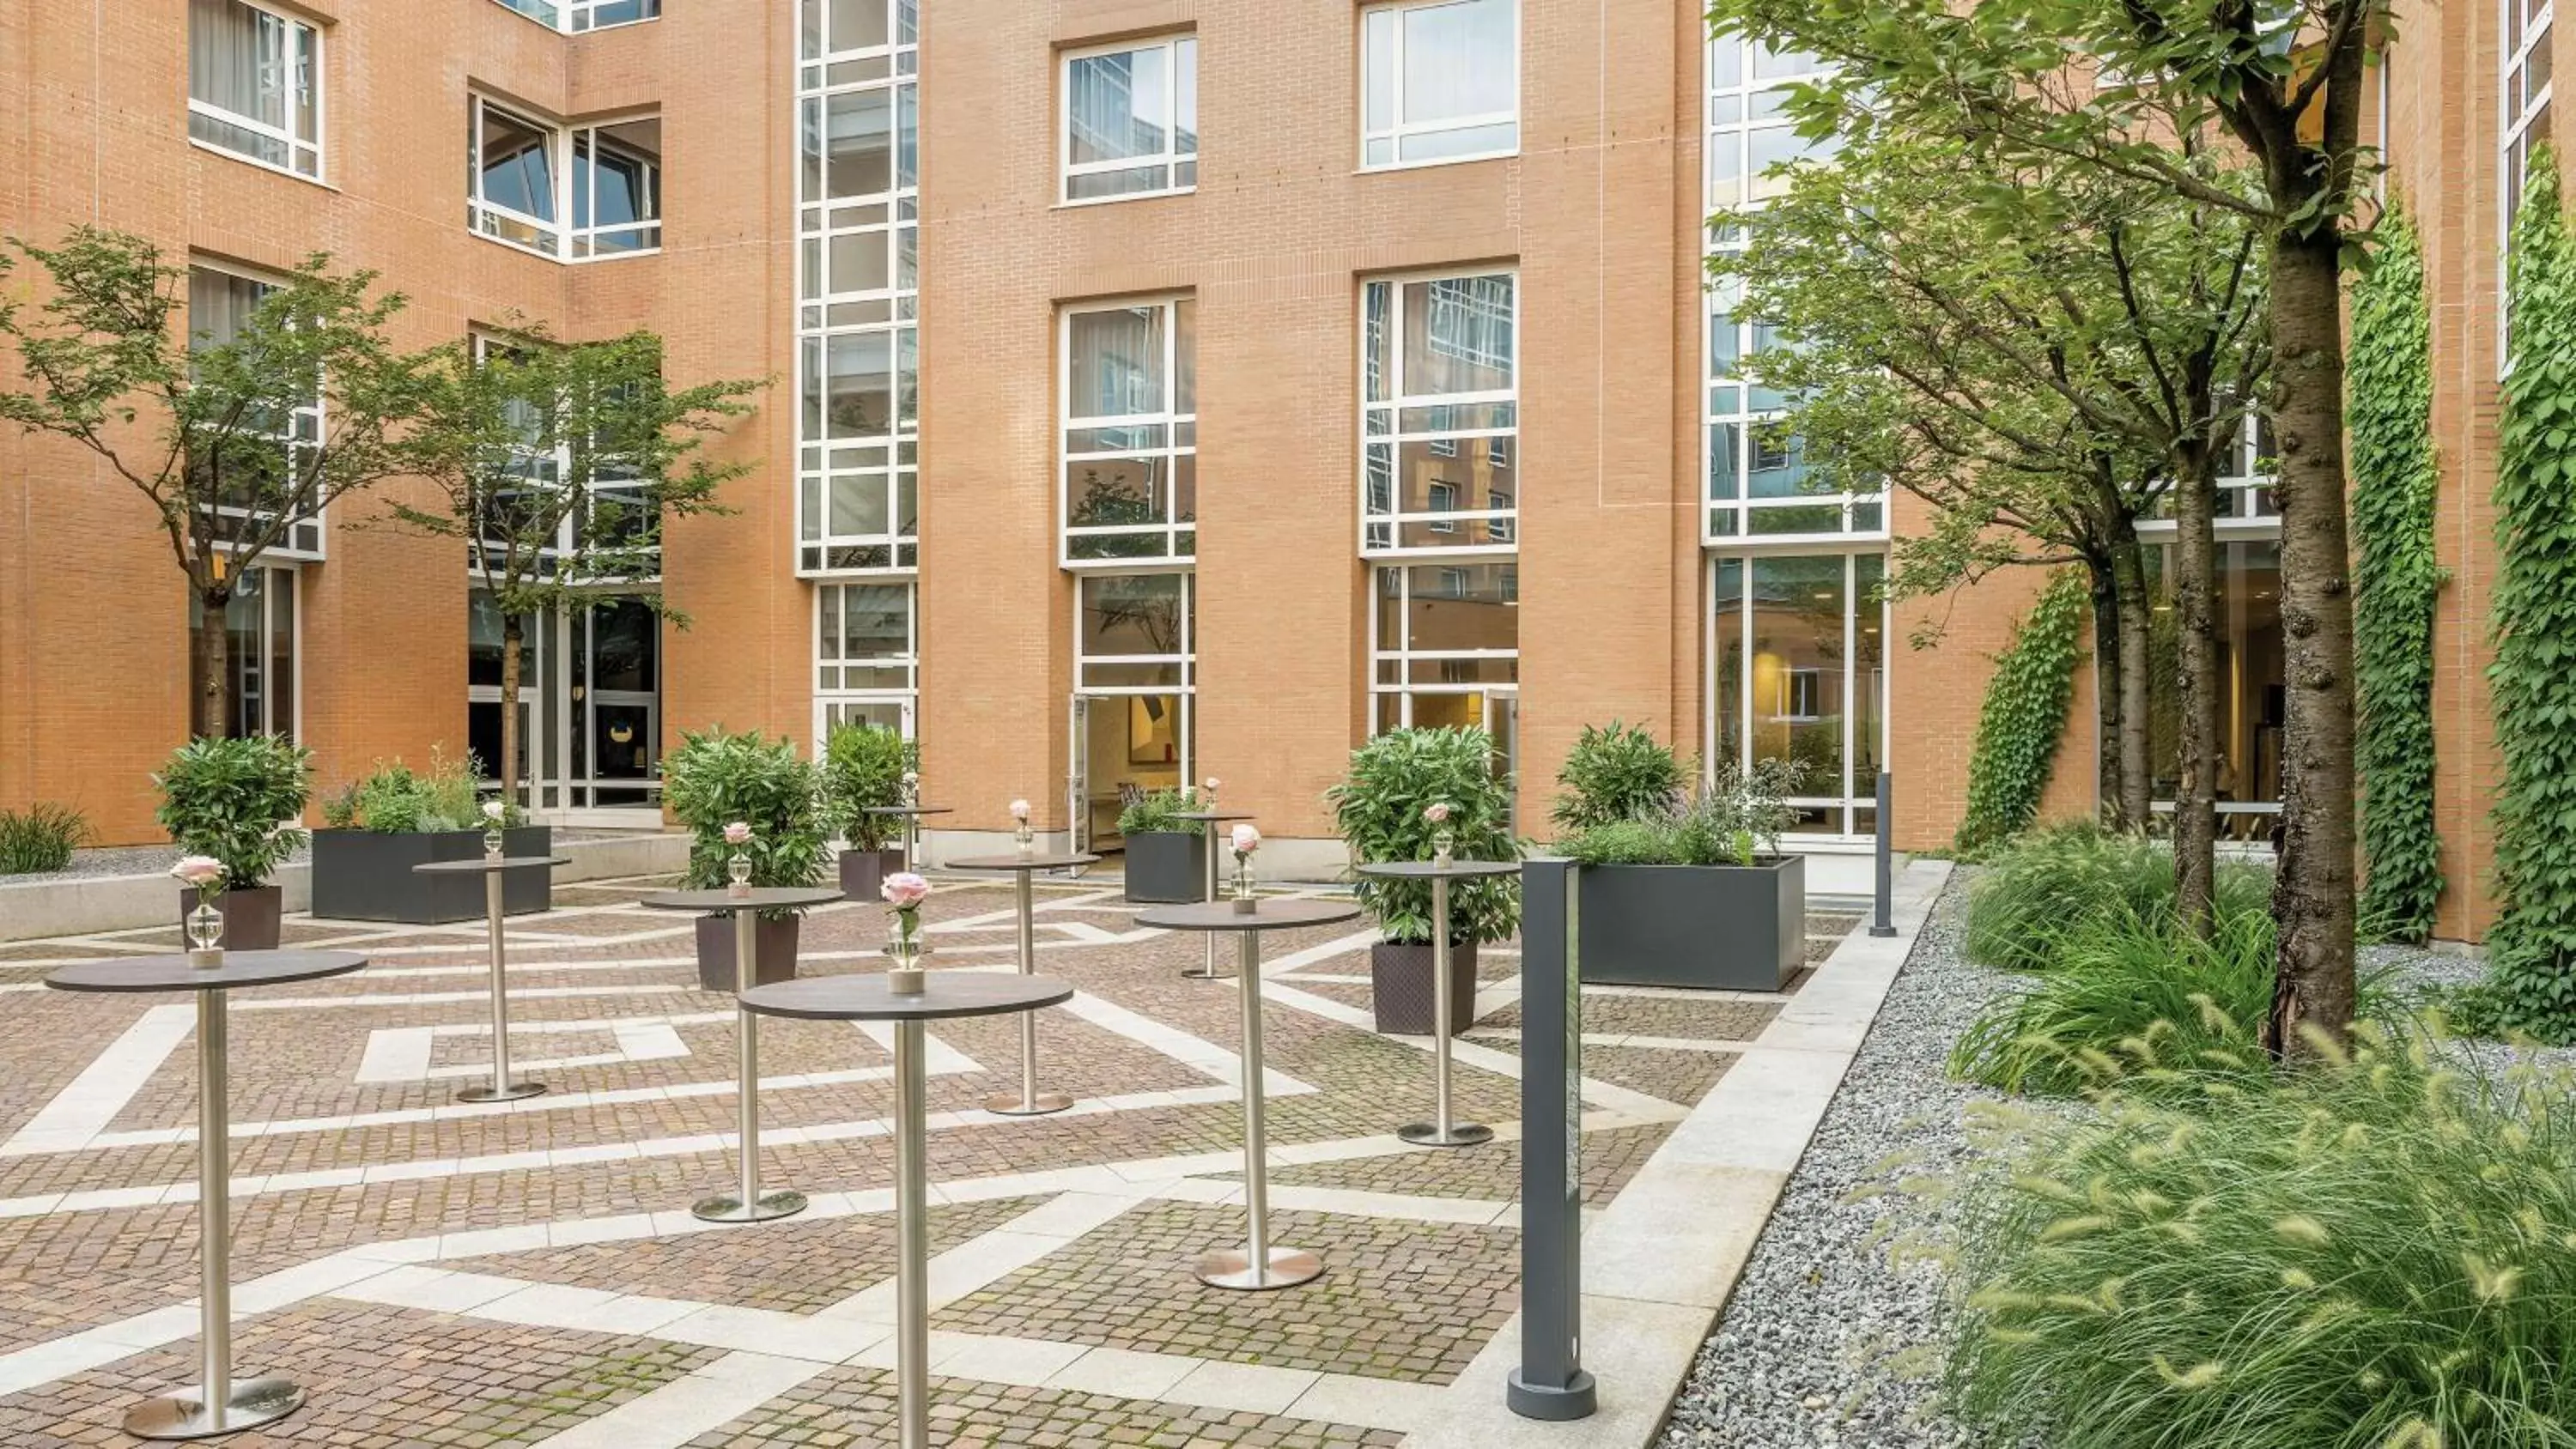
(1020, 811)
(1436, 814)
(904, 890)
(201, 871)
(738, 833)
(1211, 784)
(1246, 839)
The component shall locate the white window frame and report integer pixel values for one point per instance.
(1399, 130)
(562, 240)
(1863, 794)
(1502, 528)
(575, 17)
(1187, 658)
(307, 38)
(1183, 45)
(1405, 686)
(305, 542)
(2515, 138)
(1180, 539)
(833, 703)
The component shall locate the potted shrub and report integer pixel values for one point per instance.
(1166, 857)
(1379, 810)
(396, 818)
(1696, 894)
(239, 802)
(714, 780)
(862, 768)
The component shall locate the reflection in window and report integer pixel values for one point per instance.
(1799, 673)
(255, 85)
(1131, 432)
(2251, 695)
(259, 621)
(1131, 120)
(253, 471)
(1444, 637)
(1133, 631)
(1440, 414)
(582, 192)
(1439, 81)
(863, 637)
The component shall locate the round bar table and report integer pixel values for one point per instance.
(220, 1402)
(1440, 1131)
(1257, 1265)
(1208, 970)
(911, 817)
(1030, 1102)
(747, 1204)
(866, 998)
(490, 867)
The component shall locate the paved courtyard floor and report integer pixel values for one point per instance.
(442, 1274)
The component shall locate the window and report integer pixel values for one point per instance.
(580, 15)
(1798, 671)
(858, 287)
(1439, 81)
(614, 515)
(2524, 124)
(255, 85)
(590, 702)
(254, 473)
(260, 618)
(1130, 433)
(863, 639)
(576, 193)
(1445, 643)
(1131, 120)
(1134, 632)
(1438, 415)
(2251, 679)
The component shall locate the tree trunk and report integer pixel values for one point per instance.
(2195, 577)
(210, 707)
(506, 769)
(2314, 894)
(2109, 691)
(2136, 767)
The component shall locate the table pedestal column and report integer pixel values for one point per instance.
(747, 1204)
(1257, 1266)
(218, 1403)
(1440, 1131)
(1030, 1102)
(1207, 970)
(502, 1088)
(912, 1241)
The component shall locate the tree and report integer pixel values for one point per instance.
(235, 442)
(2046, 354)
(557, 464)
(2283, 83)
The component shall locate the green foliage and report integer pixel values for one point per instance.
(863, 766)
(2389, 376)
(2024, 715)
(1617, 773)
(41, 838)
(714, 779)
(394, 799)
(1732, 822)
(2040, 886)
(237, 800)
(1155, 812)
(2531, 954)
(1378, 809)
(2374, 1254)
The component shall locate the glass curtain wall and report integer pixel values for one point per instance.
(866, 665)
(1798, 653)
(260, 620)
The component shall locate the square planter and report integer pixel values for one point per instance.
(864, 871)
(1714, 927)
(1166, 867)
(250, 916)
(1400, 987)
(360, 875)
(773, 950)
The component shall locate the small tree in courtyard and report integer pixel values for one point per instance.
(235, 442)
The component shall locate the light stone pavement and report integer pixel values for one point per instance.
(441, 1274)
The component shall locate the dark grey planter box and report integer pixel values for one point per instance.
(773, 950)
(361, 875)
(1166, 867)
(863, 872)
(1715, 927)
(250, 916)
(1400, 988)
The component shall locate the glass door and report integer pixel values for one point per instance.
(1125, 746)
(1077, 778)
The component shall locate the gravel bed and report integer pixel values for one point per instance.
(113, 860)
(1831, 1339)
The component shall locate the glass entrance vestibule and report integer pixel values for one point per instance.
(1131, 726)
(590, 707)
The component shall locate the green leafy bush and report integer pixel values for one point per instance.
(237, 800)
(1157, 812)
(41, 838)
(2379, 1253)
(714, 779)
(863, 766)
(395, 799)
(2039, 886)
(1738, 818)
(1378, 809)
(1617, 773)
(2024, 716)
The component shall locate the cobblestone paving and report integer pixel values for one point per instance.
(1403, 1300)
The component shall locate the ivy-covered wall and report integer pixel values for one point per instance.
(2532, 950)
(2024, 715)
(2389, 378)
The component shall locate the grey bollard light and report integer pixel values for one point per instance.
(1883, 921)
(1550, 1382)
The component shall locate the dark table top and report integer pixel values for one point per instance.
(483, 864)
(1034, 860)
(945, 993)
(908, 810)
(1273, 915)
(173, 973)
(762, 898)
(1425, 870)
(1209, 816)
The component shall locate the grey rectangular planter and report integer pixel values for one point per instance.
(1400, 987)
(361, 875)
(250, 916)
(1166, 867)
(863, 871)
(773, 950)
(1714, 927)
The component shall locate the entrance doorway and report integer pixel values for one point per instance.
(590, 709)
(1124, 746)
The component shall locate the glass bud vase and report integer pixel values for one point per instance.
(905, 975)
(205, 933)
(492, 843)
(1026, 838)
(738, 876)
(1444, 845)
(1245, 901)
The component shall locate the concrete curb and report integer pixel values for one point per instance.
(85, 905)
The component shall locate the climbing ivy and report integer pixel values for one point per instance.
(2395, 581)
(2024, 715)
(2532, 953)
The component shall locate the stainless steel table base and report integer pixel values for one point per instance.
(912, 1240)
(1207, 970)
(1442, 1130)
(511, 1092)
(747, 1203)
(1028, 1101)
(730, 1210)
(1229, 1268)
(501, 1088)
(183, 1415)
(1432, 1134)
(1258, 1266)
